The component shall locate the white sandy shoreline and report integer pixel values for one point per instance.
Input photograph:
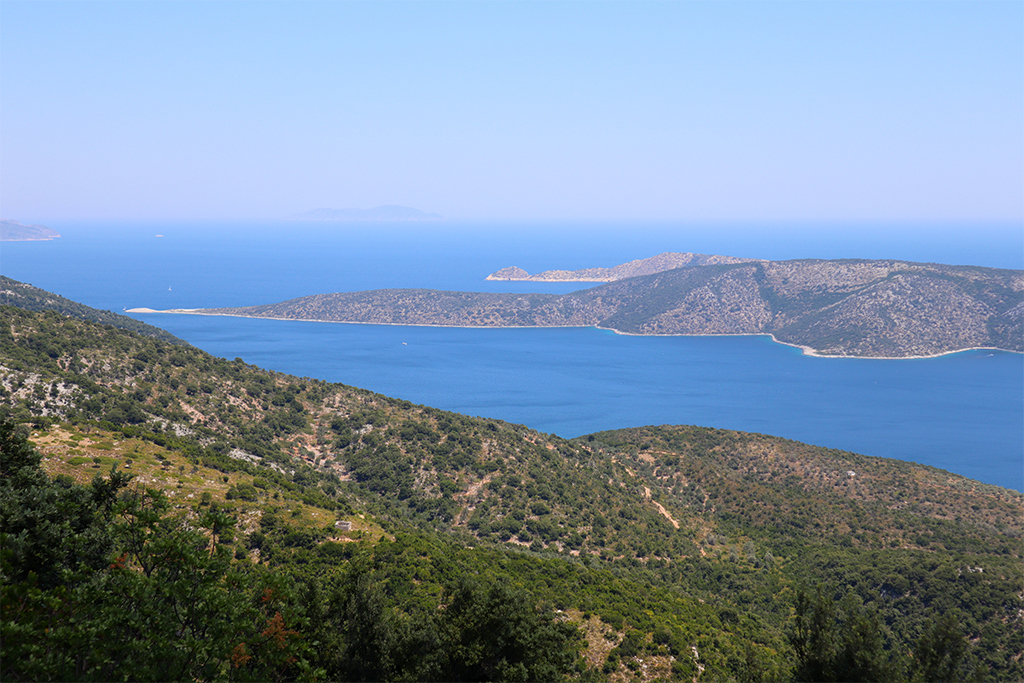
(807, 350)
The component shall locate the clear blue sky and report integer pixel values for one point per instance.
(890, 111)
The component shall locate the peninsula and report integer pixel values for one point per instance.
(862, 308)
(13, 231)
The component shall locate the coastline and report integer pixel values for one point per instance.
(810, 351)
(199, 311)
(807, 350)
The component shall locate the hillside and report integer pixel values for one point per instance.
(889, 309)
(29, 298)
(647, 266)
(675, 552)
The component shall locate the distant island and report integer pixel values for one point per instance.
(13, 231)
(881, 308)
(391, 212)
(647, 266)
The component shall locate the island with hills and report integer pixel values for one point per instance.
(13, 231)
(387, 213)
(647, 266)
(170, 515)
(850, 307)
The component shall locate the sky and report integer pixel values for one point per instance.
(731, 111)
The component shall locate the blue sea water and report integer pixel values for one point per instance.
(962, 412)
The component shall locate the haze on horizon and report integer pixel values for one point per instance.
(514, 111)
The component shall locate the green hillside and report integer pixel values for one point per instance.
(25, 296)
(280, 528)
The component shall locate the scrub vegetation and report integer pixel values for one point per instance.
(171, 515)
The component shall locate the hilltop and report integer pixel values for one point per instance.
(888, 309)
(672, 551)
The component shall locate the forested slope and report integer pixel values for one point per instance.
(671, 551)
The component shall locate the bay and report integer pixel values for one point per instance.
(962, 412)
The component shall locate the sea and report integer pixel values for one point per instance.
(961, 412)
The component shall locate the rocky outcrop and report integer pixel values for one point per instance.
(510, 273)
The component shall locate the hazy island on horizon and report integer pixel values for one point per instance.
(14, 231)
(647, 266)
(389, 212)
